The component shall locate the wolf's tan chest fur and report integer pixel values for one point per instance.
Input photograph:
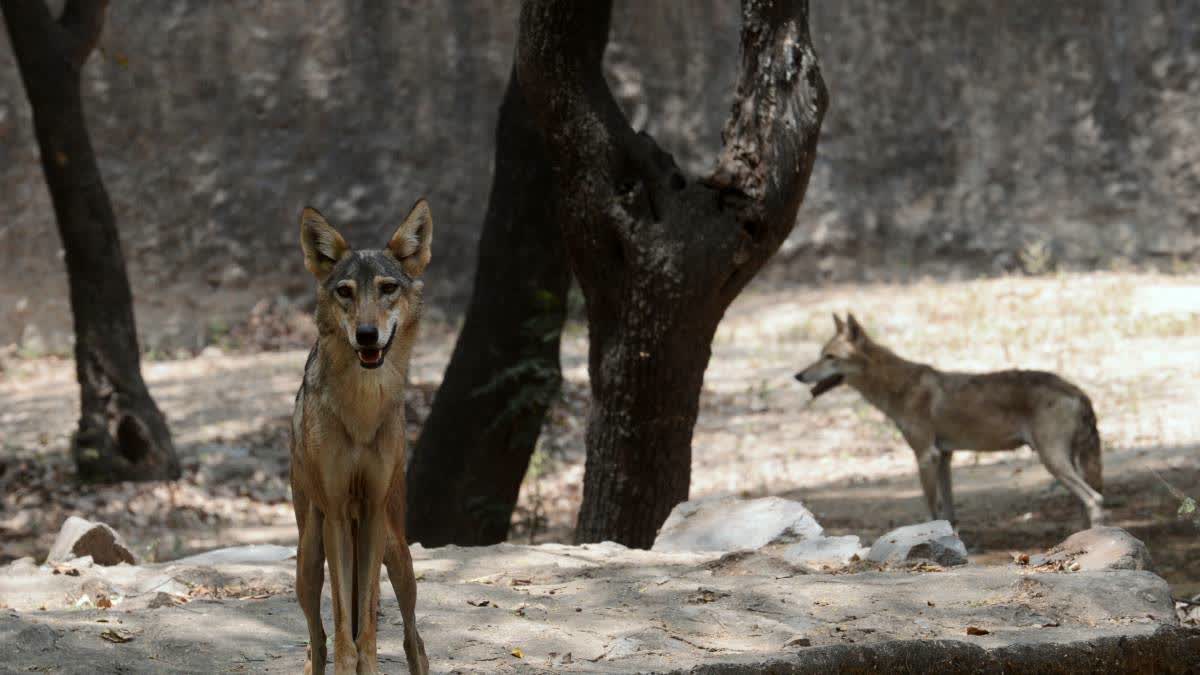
(353, 433)
(366, 403)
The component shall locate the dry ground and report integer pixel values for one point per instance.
(1132, 341)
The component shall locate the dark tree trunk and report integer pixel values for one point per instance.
(475, 447)
(122, 434)
(660, 255)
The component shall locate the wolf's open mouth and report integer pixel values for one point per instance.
(373, 357)
(826, 384)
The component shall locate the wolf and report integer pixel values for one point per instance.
(940, 412)
(348, 438)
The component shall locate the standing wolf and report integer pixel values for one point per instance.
(938, 413)
(348, 439)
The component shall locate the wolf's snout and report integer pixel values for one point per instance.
(366, 335)
(800, 376)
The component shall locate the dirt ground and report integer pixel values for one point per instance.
(1131, 341)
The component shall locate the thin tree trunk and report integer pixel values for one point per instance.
(660, 255)
(122, 434)
(475, 447)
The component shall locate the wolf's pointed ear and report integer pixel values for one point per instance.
(853, 330)
(837, 323)
(323, 246)
(410, 243)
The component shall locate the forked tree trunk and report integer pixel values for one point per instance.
(475, 447)
(122, 434)
(660, 255)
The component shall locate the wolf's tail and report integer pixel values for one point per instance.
(1085, 447)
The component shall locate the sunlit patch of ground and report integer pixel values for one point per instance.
(1131, 341)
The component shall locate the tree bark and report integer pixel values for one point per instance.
(122, 434)
(475, 447)
(660, 255)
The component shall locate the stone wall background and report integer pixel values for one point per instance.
(964, 137)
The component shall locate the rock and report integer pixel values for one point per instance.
(1101, 548)
(98, 589)
(21, 566)
(79, 537)
(934, 541)
(232, 275)
(731, 524)
(836, 550)
(161, 600)
(37, 638)
(624, 610)
(211, 352)
(241, 555)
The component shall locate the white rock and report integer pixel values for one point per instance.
(248, 554)
(733, 524)
(934, 541)
(1102, 548)
(835, 550)
(79, 537)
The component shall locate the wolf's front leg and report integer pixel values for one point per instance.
(404, 582)
(310, 575)
(945, 492)
(928, 459)
(339, 551)
(372, 541)
(927, 469)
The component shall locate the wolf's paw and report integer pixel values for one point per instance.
(314, 663)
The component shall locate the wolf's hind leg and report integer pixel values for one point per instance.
(1056, 456)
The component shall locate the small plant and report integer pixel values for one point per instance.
(1187, 505)
(1036, 257)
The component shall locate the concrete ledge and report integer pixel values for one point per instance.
(1168, 650)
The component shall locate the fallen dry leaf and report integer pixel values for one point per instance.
(518, 653)
(972, 630)
(117, 635)
(103, 602)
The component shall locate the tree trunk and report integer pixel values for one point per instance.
(660, 255)
(475, 447)
(122, 434)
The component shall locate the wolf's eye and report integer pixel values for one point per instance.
(388, 289)
(345, 292)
